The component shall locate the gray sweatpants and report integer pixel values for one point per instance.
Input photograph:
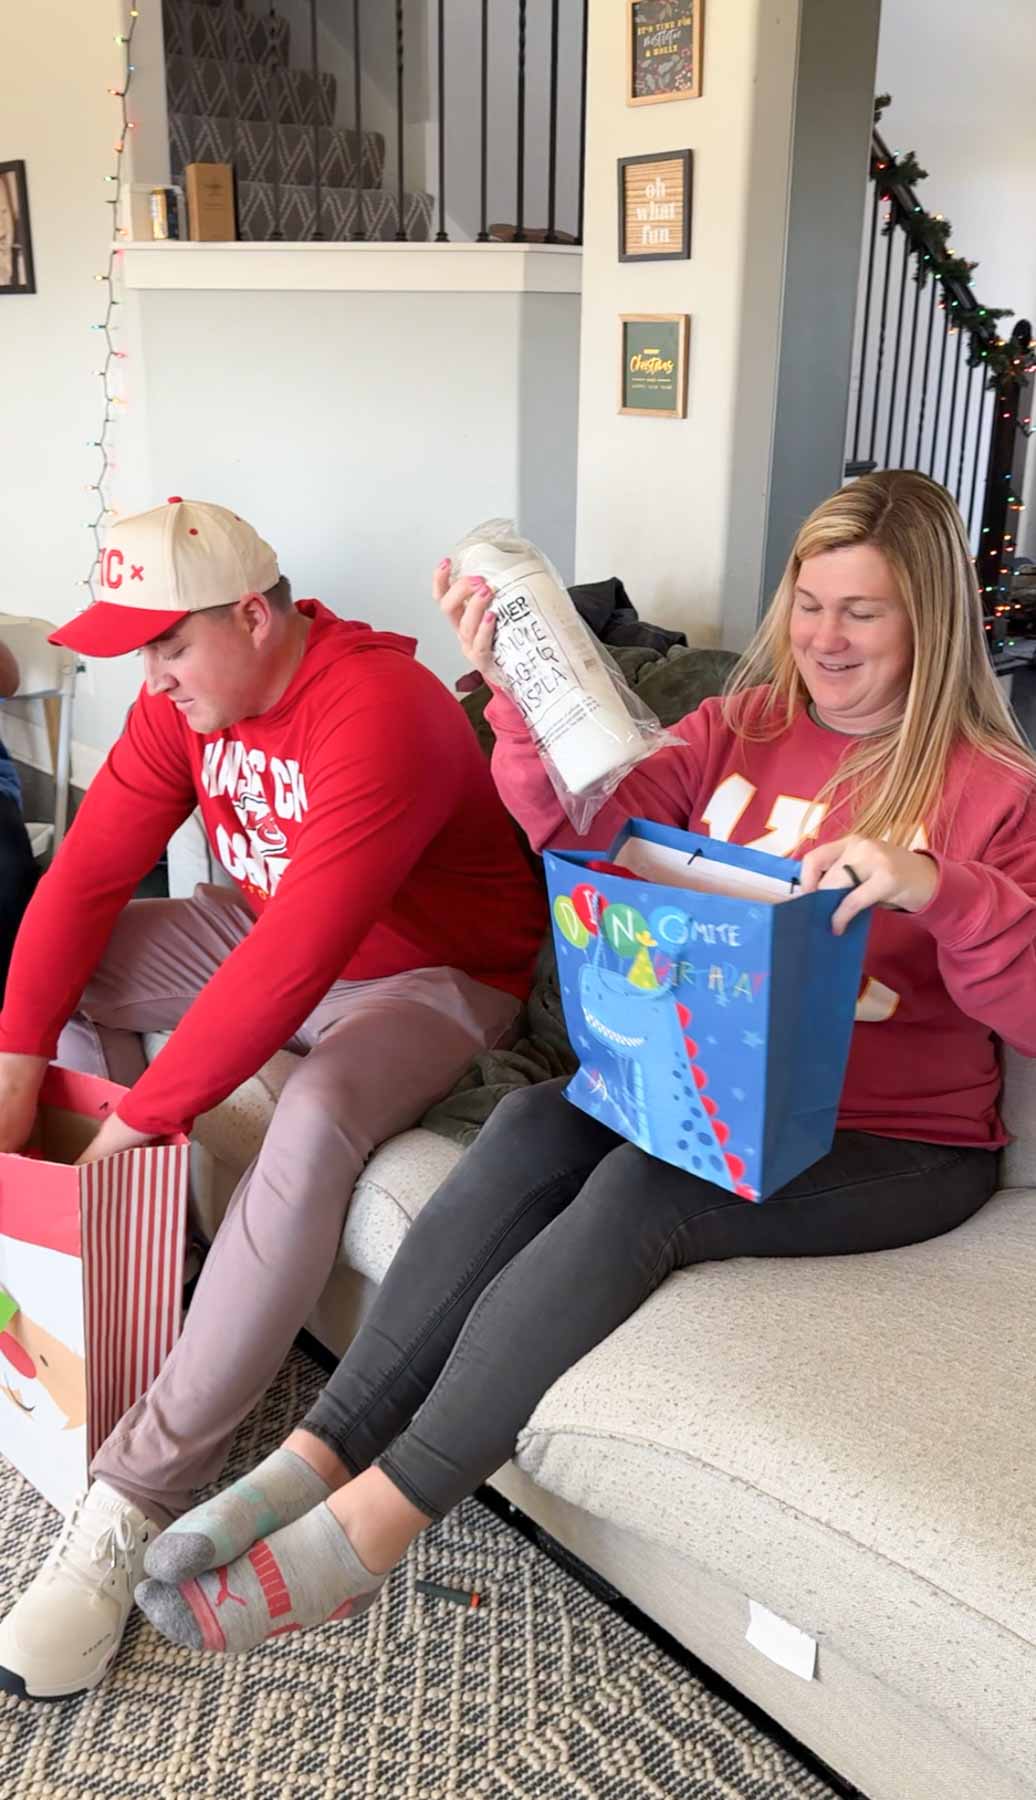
(377, 1055)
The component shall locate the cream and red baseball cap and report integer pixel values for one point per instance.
(158, 567)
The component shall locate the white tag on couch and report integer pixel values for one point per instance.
(785, 1644)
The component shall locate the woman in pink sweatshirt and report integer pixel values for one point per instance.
(865, 733)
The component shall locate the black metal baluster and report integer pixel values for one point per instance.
(866, 325)
(881, 347)
(1005, 470)
(910, 373)
(235, 97)
(519, 227)
(953, 410)
(552, 166)
(314, 56)
(938, 396)
(359, 227)
(895, 364)
(582, 123)
(483, 230)
(983, 409)
(271, 62)
(964, 434)
(442, 236)
(400, 60)
(924, 385)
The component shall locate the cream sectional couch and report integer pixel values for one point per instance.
(850, 1442)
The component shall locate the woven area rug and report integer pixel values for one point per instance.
(541, 1694)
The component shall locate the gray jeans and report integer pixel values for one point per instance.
(548, 1234)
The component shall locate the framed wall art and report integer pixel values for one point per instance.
(653, 364)
(663, 51)
(655, 207)
(17, 275)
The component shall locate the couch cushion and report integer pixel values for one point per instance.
(1019, 1111)
(850, 1441)
(400, 1177)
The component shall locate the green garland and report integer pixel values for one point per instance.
(928, 234)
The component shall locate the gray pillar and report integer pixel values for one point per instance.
(834, 110)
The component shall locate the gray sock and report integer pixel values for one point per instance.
(307, 1574)
(278, 1492)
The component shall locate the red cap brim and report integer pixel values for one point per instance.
(105, 629)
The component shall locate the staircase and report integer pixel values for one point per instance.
(234, 97)
(937, 388)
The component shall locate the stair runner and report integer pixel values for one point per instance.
(234, 98)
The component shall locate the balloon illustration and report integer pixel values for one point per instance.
(589, 905)
(569, 923)
(625, 929)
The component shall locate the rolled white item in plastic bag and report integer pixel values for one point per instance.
(551, 665)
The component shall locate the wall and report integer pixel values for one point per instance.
(962, 98)
(56, 113)
(363, 434)
(661, 501)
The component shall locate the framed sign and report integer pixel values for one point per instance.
(653, 365)
(663, 51)
(655, 207)
(16, 270)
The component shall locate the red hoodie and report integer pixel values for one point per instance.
(939, 986)
(359, 819)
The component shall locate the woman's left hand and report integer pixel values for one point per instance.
(885, 876)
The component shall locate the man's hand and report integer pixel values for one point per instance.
(113, 1137)
(878, 875)
(21, 1078)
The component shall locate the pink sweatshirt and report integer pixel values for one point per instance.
(940, 986)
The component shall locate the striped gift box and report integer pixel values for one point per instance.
(91, 1282)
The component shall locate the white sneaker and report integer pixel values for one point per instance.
(63, 1635)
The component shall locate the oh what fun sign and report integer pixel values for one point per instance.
(655, 207)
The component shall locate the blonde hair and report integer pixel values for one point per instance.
(894, 779)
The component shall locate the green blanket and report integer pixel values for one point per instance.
(671, 685)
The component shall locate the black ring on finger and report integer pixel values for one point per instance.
(853, 877)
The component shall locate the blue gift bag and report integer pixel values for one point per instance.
(710, 1005)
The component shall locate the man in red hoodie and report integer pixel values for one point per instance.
(383, 921)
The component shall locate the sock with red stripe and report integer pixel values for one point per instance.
(304, 1575)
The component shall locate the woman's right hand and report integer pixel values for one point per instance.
(467, 603)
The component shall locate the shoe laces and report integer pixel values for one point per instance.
(86, 1554)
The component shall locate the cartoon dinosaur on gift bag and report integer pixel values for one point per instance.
(672, 1116)
(34, 1355)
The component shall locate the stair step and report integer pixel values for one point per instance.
(257, 214)
(224, 33)
(257, 150)
(221, 89)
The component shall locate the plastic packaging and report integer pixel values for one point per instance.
(588, 726)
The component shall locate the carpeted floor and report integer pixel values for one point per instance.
(542, 1694)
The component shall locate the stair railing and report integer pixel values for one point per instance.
(936, 386)
(506, 110)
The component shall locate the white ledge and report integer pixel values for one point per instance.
(358, 268)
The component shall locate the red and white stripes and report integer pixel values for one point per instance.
(134, 1225)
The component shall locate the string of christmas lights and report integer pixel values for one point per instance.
(107, 325)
